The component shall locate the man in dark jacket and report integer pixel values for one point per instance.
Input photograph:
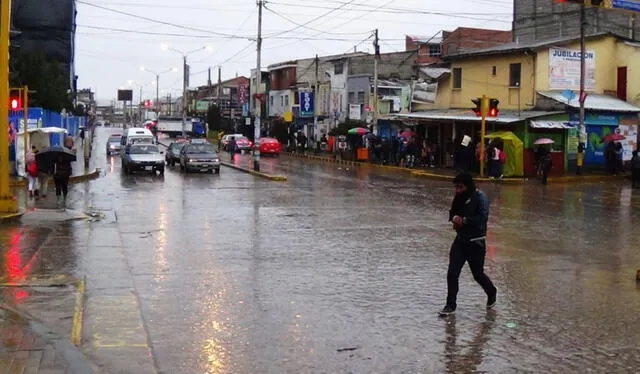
(469, 214)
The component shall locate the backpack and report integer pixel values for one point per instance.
(503, 157)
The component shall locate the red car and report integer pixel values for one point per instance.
(270, 146)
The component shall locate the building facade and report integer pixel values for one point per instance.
(538, 20)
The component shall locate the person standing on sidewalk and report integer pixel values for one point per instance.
(469, 214)
(635, 169)
(32, 171)
(61, 175)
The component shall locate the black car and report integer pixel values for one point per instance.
(173, 153)
(199, 157)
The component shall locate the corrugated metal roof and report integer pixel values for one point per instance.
(593, 102)
(435, 73)
(468, 115)
(561, 125)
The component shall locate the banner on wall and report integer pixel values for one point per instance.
(596, 145)
(564, 69)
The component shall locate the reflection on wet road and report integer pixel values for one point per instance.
(342, 270)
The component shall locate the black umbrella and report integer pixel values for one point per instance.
(51, 155)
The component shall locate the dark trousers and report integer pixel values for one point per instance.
(635, 175)
(545, 175)
(474, 253)
(62, 185)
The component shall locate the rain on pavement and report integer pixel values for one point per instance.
(339, 270)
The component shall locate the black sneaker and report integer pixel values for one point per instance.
(491, 300)
(446, 311)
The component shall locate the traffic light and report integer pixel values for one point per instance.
(15, 101)
(493, 108)
(478, 103)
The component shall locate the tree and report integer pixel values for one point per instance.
(214, 118)
(43, 76)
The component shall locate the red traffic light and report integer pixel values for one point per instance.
(15, 103)
(493, 108)
(478, 109)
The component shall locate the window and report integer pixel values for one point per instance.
(286, 74)
(270, 101)
(435, 50)
(281, 100)
(286, 100)
(352, 97)
(494, 71)
(514, 75)
(361, 97)
(457, 78)
(338, 68)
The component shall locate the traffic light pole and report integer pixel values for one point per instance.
(484, 108)
(8, 203)
(25, 108)
(582, 97)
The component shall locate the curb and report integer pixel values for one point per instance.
(349, 162)
(421, 174)
(275, 178)
(74, 360)
(10, 217)
(21, 182)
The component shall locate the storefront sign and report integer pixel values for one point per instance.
(564, 69)
(596, 145)
(355, 112)
(572, 143)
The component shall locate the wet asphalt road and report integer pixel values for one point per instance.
(341, 271)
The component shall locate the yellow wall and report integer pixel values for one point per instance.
(629, 56)
(606, 69)
(478, 80)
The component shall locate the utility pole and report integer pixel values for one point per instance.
(484, 109)
(185, 77)
(375, 80)
(583, 51)
(219, 101)
(316, 90)
(256, 123)
(140, 104)
(209, 78)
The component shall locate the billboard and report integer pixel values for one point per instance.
(424, 93)
(125, 95)
(564, 69)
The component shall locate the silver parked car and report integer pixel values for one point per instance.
(143, 157)
(199, 156)
(113, 144)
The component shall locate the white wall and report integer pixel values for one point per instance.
(278, 103)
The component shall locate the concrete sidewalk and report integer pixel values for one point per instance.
(26, 346)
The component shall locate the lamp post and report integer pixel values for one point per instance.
(158, 74)
(185, 79)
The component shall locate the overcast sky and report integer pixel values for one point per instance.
(116, 37)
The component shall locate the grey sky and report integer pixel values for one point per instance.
(107, 59)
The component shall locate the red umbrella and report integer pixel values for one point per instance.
(407, 134)
(613, 138)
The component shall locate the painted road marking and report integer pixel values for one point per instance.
(115, 322)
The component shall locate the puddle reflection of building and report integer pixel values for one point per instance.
(458, 361)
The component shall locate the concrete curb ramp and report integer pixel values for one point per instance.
(74, 179)
(75, 361)
(275, 178)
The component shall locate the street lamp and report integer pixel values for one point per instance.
(185, 78)
(157, 82)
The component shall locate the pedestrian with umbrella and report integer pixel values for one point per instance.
(59, 160)
(544, 160)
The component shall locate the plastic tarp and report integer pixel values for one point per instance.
(38, 137)
(514, 147)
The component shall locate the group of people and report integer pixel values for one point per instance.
(402, 151)
(39, 170)
(613, 158)
(466, 160)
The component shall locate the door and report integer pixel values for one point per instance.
(622, 83)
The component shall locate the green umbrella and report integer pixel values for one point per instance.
(358, 131)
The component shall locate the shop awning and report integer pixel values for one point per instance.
(595, 102)
(560, 125)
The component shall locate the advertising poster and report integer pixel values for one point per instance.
(564, 69)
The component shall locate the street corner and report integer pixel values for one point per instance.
(12, 217)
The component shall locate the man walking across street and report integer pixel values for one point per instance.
(469, 214)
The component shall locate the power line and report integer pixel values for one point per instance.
(312, 20)
(310, 28)
(162, 22)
